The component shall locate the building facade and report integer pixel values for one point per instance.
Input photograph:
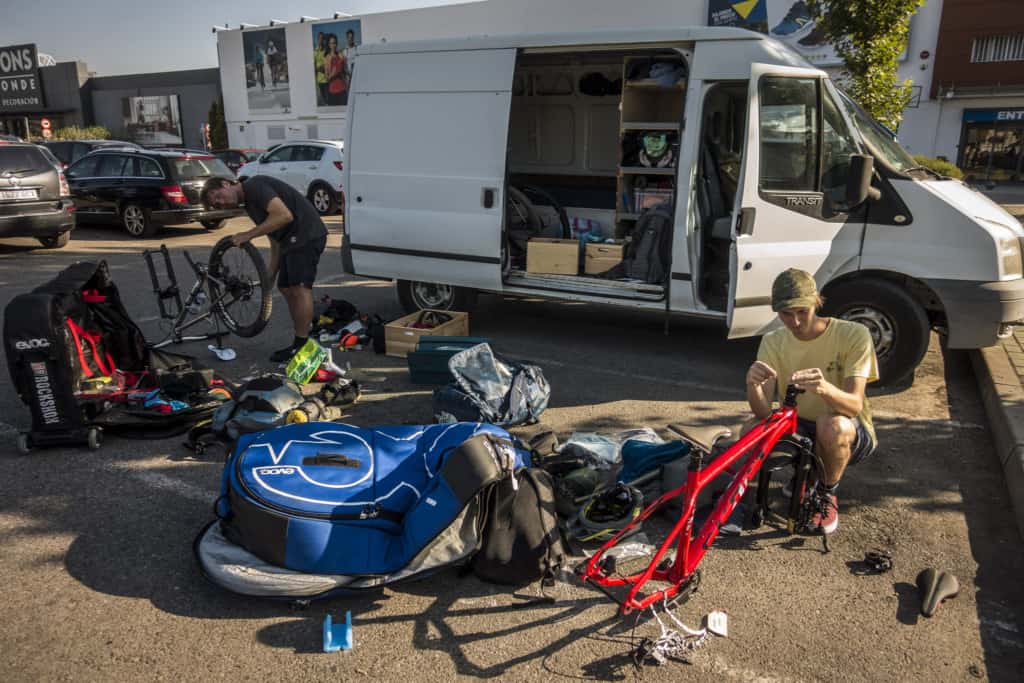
(979, 85)
(168, 108)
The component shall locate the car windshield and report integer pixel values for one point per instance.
(191, 168)
(880, 139)
(17, 160)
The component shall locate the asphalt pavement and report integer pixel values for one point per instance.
(100, 584)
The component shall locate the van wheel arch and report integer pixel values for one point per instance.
(898, 311)
(417, 296)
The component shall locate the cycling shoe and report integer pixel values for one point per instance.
(934, 587)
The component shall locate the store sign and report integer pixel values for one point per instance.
(20, 88)
(994, 116)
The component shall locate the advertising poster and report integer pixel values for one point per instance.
(152, 119)
(788, 21)
(266, 71)
(334, 47)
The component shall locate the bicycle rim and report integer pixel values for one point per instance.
(240, 288)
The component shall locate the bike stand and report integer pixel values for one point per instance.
(169, 301)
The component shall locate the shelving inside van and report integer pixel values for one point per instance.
(577, 128)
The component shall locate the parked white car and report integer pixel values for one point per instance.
(313, 167)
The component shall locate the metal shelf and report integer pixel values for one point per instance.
(650, 125)
(643, 170)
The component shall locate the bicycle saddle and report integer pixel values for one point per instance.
(703, 438)
(934, 587)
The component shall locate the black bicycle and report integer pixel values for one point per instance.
(232, 289)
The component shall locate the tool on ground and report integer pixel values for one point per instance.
(338, 636)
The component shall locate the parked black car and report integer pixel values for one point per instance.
(34, 196)
(143, 190)
(70, 151)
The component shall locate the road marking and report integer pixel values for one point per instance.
(165, 482)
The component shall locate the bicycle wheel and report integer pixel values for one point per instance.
(239, 287)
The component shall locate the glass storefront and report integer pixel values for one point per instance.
(990, 144)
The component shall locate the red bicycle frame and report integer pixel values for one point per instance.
(758, 443)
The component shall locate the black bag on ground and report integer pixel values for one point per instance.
(521, 540)
(648, 255)
(487, 388)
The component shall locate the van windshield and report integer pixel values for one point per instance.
(880, 139)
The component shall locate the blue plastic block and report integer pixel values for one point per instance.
(338, 636)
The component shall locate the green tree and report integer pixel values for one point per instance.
(869, 36)
(218, 126)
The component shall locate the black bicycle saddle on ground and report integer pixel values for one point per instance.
(934, 587)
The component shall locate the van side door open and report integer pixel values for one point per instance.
(790, 208)
(426, 152)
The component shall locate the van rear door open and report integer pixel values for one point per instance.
(426, 157)
(790, 205)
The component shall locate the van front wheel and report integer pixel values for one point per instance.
(417, 296)
(897, 323)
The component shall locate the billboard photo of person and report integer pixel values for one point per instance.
(334, 53)
(266, 70)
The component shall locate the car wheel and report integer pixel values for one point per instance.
(323, 199)
(137, 221)
(898, 325)
(417, 296)
(56, 241)
(214, 225)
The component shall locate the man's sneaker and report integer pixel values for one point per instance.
(283, 355)
(826, 514)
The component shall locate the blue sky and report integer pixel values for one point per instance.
(138, 36)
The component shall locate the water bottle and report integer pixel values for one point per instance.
(197, 303)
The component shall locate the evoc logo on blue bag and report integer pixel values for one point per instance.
(268, 471)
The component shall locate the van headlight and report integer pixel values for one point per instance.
(1010, 254)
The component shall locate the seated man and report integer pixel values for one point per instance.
(831, 360)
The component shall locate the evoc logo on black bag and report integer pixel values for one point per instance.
(30, 344)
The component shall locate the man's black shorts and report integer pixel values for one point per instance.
(298, 264)
(862, 446)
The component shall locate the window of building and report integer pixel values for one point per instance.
(1005, 48)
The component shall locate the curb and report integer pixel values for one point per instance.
(1003, 398)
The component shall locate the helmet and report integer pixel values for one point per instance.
(580, 482)
(607, 513)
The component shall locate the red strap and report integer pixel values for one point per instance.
(75, 329)
(93, 338)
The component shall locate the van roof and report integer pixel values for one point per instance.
(618, 37)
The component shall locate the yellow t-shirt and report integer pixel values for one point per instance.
(843, 350)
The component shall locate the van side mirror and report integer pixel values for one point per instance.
(858, 182)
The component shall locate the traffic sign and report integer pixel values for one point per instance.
(45, 124)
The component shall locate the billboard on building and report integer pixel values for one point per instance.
(788, 21)
(266, 71)
(20, 89)
(334, 47)
(152, 119)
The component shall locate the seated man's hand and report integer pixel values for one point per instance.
(759, 373)
(811, 380)
(240, 238)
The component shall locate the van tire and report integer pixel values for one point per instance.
(417, 296)
(897, 323)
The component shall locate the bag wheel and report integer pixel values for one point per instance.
(94, 439)
(24, 444)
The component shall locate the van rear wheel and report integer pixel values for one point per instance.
(898, 325)
(417, 296)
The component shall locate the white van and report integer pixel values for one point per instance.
(456, 147)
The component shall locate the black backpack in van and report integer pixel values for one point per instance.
(648, 255)
(521, 541)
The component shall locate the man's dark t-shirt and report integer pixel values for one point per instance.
(306, 225)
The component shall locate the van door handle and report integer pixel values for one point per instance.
(746, 221)
(487, 197)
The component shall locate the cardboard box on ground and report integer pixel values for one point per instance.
(400, 338)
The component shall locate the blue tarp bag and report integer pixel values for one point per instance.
(366, 506)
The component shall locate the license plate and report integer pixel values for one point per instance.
(19, 194)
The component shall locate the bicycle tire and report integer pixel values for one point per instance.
(257, 290)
